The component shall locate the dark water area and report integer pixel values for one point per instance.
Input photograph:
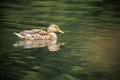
(91, 49)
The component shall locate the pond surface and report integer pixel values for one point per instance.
(91, 49)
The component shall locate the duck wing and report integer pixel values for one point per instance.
(34, 34)
(33, 31)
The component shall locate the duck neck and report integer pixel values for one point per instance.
(48, 30)
(54, 36)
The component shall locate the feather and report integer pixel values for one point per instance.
(18, 35)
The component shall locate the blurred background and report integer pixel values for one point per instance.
(91, 49)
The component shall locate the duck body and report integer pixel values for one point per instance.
(37, 34)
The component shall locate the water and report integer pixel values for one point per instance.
(91, 40)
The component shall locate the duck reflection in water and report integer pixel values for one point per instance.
(28, 44)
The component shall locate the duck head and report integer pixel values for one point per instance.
(54, 28)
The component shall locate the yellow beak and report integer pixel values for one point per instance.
(60, 31)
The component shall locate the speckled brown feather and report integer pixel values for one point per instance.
(35, 34)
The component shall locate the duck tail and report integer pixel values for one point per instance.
(18, 35)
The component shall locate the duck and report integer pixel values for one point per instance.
(38, 34)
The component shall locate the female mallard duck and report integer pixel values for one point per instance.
(37, 34)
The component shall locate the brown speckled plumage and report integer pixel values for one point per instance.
(37, 34)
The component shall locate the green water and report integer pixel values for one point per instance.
(91, 40)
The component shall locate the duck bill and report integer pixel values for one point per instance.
(60, 31)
